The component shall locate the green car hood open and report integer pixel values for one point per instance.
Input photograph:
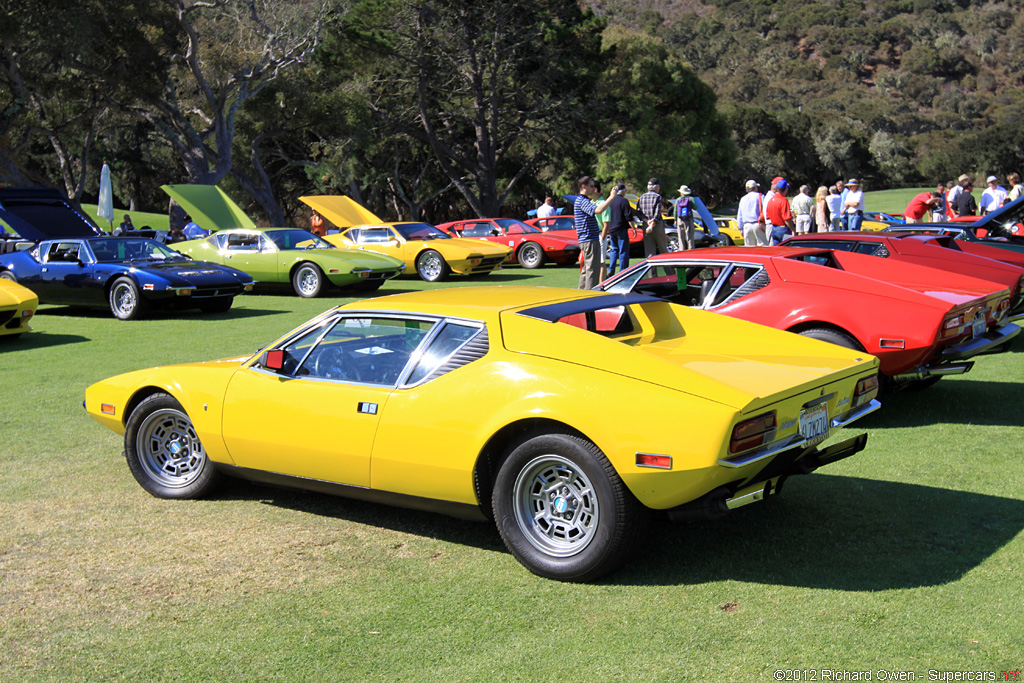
(209, 206)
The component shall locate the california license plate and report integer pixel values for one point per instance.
(814, 422)
(980, 324)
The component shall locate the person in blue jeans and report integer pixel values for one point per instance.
(616, 230)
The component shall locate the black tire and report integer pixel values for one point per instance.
(164, 452)
(218, 305)
(833, 337)
(578, 529)
(431, 266)
(530, 255)
(8, 275)
(126, 302)
(308, 280)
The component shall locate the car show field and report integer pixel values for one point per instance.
(914, 545)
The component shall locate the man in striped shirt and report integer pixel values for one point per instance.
(587, 231)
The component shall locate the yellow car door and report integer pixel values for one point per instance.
(315, 414)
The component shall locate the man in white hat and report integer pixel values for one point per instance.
(750, 216)
(994, 195)
(684, 219)
(854, 205)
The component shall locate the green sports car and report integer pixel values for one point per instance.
(291, 255)
(275, 255)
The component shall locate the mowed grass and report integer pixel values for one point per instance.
(907, 556)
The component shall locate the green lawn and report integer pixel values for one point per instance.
(907, 556)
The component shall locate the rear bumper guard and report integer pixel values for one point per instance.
(982, 344)
(768, 483)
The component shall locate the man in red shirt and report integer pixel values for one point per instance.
(920, 206)
(778, 213)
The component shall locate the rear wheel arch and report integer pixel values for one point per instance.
(500, 446)
(807, 326)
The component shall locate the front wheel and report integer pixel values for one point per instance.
(530, 255)
(431, 266)
(7, 275)
(164, 452)
(308, 280)
(563, 511)
(125, 301)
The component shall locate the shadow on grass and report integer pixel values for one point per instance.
(40, 340)
(156, 313)
(950, 401)
(835, 532)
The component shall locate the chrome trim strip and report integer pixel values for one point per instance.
(856, 413)
(744, 459)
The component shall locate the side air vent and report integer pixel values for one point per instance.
(758, 281)
(472, 350)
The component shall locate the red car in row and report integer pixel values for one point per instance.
(924, 250)
(921, 322)
(531, 247)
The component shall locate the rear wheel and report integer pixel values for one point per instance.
(164, 452)
(530, 255)
(308, 280)
(125, 301)
(563, 511)
(832, 337)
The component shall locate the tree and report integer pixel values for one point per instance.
(665, 120)
(494, 90)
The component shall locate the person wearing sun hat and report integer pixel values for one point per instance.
(854, 205)
(994, 195)
(684, 219)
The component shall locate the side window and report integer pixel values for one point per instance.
(297, 350)
(837, 245)
(514, 229)
(366, 350)
(448, 341)
(243, 241)
(872, 249)
(62, 252)
(374, 235)
(739, 282)
(477, 230)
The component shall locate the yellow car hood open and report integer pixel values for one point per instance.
(343, 211)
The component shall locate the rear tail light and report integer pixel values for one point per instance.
(866, 389)
(953, 326)
(1003, 305)
(752, 433)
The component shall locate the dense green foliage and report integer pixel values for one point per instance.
(897, 91)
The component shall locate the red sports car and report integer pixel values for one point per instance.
(921, 322)
(564, 223)
(531, 247)
(924, 250)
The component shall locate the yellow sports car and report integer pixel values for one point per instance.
(432, 253)
(17, 306)
(565, 416)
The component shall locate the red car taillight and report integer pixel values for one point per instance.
(953, 326)
(866, 390)
(752, 433)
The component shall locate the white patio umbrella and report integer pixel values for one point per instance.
(105, 204)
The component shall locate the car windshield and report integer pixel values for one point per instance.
(520, 227)
(113, 249)
(296, 239)
(420, 231)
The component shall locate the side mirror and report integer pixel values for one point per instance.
(272, 359)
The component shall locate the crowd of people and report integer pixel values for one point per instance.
(602, 223)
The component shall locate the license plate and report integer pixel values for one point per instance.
(980, 324)
(814, 422)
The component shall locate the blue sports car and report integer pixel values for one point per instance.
(128, 274)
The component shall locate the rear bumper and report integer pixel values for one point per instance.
(951, 360)
(768, 482)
